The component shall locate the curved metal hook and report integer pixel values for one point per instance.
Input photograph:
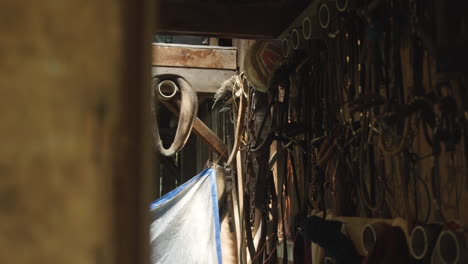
(188, 113)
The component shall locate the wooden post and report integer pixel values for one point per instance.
(75, 160)
(133, 147)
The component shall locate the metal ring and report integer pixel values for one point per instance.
(167, 85)
(306, 28)
(324, 13)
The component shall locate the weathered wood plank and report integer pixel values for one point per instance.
(258, 20)
(202, 80)
(177, 55)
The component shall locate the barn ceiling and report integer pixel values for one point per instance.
(235, 19)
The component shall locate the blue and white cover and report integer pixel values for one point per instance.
(185, 223)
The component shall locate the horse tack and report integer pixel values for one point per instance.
(240, 122)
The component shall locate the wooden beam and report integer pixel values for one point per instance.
(190, 56)
(202, 80)
(259, 20)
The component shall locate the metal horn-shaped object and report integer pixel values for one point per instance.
(165, 87)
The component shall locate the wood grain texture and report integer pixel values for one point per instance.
(60, 110)
(190, 56)
(202, 80)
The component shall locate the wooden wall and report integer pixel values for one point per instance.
(75, 156)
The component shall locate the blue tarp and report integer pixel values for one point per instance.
(185, 223)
